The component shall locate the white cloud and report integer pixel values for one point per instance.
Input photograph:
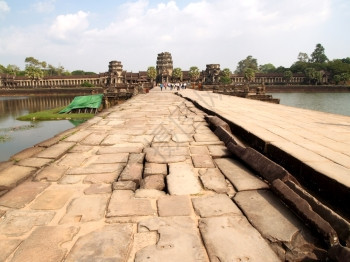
(69, 25)
(44, 6)
(4, 8)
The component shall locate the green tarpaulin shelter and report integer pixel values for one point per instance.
(82, 102)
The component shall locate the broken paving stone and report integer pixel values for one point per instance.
(110, 243)
(140, 241)
(153, 182)
(232, 238)
(51, 173)
(241, 177)
(216, 205)
(123, 204)
(52, 199)
(98, 189)
(179, 240)
(45, 244)
(202, 161)
(85, 209)
(213, 179)
(23, 194)
(19, 222)
(182, 180)
(124, 185)
(132, 172)
(174, 206)
(154, 169)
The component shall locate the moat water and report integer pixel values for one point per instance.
(17, 135)
(23, 134)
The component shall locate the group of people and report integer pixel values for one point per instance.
(172, 86)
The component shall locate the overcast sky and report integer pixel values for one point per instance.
(87, 34)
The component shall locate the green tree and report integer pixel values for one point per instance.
(177, 74)
(2, 69)
(310, 74)
(337, 79)
(34, 68)
(194, 73)
(287, 76)
(303, 57)
(318, 55)
(225, 76)
(244, 64)
(344, 77)
(267, 68)
(151, 73)
(249, 74)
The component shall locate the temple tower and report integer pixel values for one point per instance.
(164, 67)
(115, 70)
(212, 74)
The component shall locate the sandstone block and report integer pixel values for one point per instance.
(56, 151)
(51, 173)
(155, 169)
(153, 182)
(98, 189)
(174, 206)
(13, 175)
(52, 199)
(213, 179)
(124, 185)
(34, 162)
(132, 172)
(199, 150)
(202, 161)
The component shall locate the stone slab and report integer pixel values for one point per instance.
(73, 159)
(122, 148)
(132, 172)
(52, 199)
(174, 206)
(85, 209)
(34, 162)
(202, 161)
(179, 240)
(109, 158)
(45, 244)
(109, 243)
(96, 169)
(155, 169)
(181, 138)
(213, 179)
(199, 150)
(206, 138)
(216, 205)
(105, 178)
(13, 175)
(232, 238)
(153, 182)
(115, 139)
(238, 175)
(182, 180)
(56, 151)
(136, 158)
(78, 136)
(123, 204)
(51, 173)
(124, 185)
(98, 189)
(163, 155)
(219, 151)
(7, 247)
(23, 194)
(18, 222)
(93, 139)
(149, 193)
(71, 179)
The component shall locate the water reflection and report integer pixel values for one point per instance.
(19, 135)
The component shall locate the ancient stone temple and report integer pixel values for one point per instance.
(115, 73)
(212, 74)
(164, 67)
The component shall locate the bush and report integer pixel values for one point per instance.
(87, 84)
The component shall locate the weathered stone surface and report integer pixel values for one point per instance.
(7, 247)
(179, 240)
(215, 122)
(155, 169)
(72, 159)
(44, 244)
(122, 148)
(19, 222)
(51, 173)
(115, 139)
(149, 193)
(199, 150)
(13, 175)
(182, 180)
(71, 179)
(219, 151)
(34, 162)
(109, 158)
(234, 239)
(23, 194)
(136, 158)
(180, 138)
(78, 136)
(174, 206)
(146, 140)
(26, 153)
(80, 148)
(105, 178)
(123, 204)
(206, 138)
(132, 172)
(52, 199)
(98, 189)
(213, 179)
(96, 169)
(94, 139)
(202, 161)
(142, 240)
(56, 151)
(124, 185)
(238, 175)
(85, 208)
(216, 205)
(161, 138)
(162, 157)
(110, 243)
(153, 182)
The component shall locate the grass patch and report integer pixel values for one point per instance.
(53, 114)
(4, 138)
